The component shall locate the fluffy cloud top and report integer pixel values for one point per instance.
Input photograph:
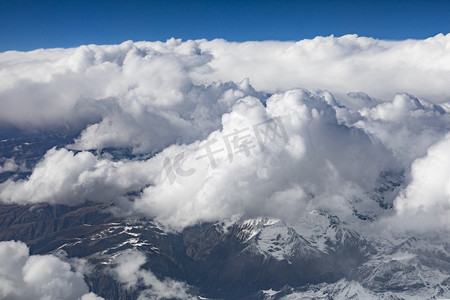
(137, 95)
(153, 83)
(339, 64)
(280, 159)
(426, 200)
(407, 125)
(44, 277)
(168, 102)
(70, 178)
(320, 165)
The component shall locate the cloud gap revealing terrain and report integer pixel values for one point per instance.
(212, 169)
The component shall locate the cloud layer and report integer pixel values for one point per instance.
(339, 64)
(276, 150)
(68, 86)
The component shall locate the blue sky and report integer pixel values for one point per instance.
(27, 25)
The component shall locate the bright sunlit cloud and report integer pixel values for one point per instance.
(370, 107)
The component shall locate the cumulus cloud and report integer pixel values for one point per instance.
(24, 276)
(319, 164)
(407, 125)
(149, 123)
(133, 95)
(66, 177)
(278, 159)
(170, 102)
(129, 270)
(425, 203)
(148, 95)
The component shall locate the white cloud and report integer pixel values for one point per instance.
(141, 122)
(128, 270)
(321, 165)
(133, 95)
(71, 178)
(407, 125)
(425, 203)
(339, 64)
(9, 165)
(161, 99)
(148, 95)
(91, 296)
(45, 277)
(312, 162)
